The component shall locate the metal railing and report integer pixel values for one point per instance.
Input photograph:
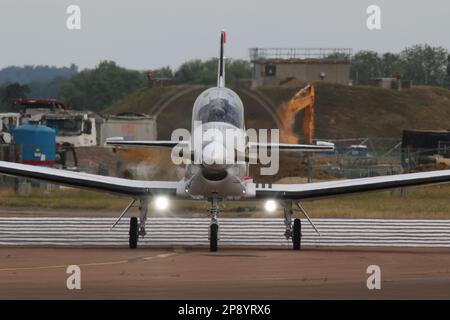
(335, 54)
(256, 232)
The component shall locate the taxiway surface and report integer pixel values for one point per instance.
(184, 273)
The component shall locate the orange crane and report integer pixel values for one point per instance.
(302, 100)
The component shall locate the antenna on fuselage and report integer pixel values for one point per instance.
(221, 73)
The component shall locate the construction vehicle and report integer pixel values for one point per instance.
(75, 128)
(9, 121)
(302, 100)
(34, 109)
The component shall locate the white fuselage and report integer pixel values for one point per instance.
(216, 170)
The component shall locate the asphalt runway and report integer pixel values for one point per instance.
(185, 273)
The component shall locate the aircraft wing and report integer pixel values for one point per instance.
(293, 147)
(120, 142)
(124, 187)
(342, 187)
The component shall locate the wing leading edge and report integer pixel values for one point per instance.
(293, 147)
(124, 187)
(117, 142)
(349, 186)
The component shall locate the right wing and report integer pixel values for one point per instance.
(319, 147)
(335, 188)
(124, 187)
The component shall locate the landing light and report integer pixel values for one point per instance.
(270, 205)
(161, 202)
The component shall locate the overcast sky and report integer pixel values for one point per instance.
(143, 34)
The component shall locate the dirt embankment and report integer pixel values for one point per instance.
(340, 112)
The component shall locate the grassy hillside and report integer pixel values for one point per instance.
(340, 111)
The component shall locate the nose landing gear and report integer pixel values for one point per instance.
(214, 226)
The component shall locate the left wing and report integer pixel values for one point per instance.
(349, 186)
(124, 187)
(120, 142)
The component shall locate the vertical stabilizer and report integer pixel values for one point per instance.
(221, 72)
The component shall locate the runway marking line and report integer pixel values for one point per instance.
(158, 256)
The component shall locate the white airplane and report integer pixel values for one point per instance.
(219, 108)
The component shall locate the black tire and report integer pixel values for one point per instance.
(213, 237)
(134, 232)
(297, 234)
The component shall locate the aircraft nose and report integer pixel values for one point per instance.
(214, 155)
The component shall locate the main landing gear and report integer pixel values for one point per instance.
(214, 226)
(134, 233)
(138, 229)
(293, 231)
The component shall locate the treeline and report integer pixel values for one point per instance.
(28, 74)
(42, 81)
(99, 87)
(95, 89)
(422, 64)
(205, 72)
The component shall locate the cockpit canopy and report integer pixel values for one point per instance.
(219, 105)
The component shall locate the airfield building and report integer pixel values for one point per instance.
(275, 66)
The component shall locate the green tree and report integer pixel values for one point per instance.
(197, 72)
(425, 64)
(164, 72)
(97, 88)
(238, 69)
(365, 66)
(11, 92)
(447, 78)
(390, 64)
(205, 72)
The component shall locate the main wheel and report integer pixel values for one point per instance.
(297, 234)
(134, 232)
(213, 237)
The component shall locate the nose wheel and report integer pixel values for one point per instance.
(214, 226)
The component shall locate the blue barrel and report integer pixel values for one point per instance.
(37, 144)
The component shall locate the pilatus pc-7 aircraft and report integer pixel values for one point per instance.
(219, 108)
